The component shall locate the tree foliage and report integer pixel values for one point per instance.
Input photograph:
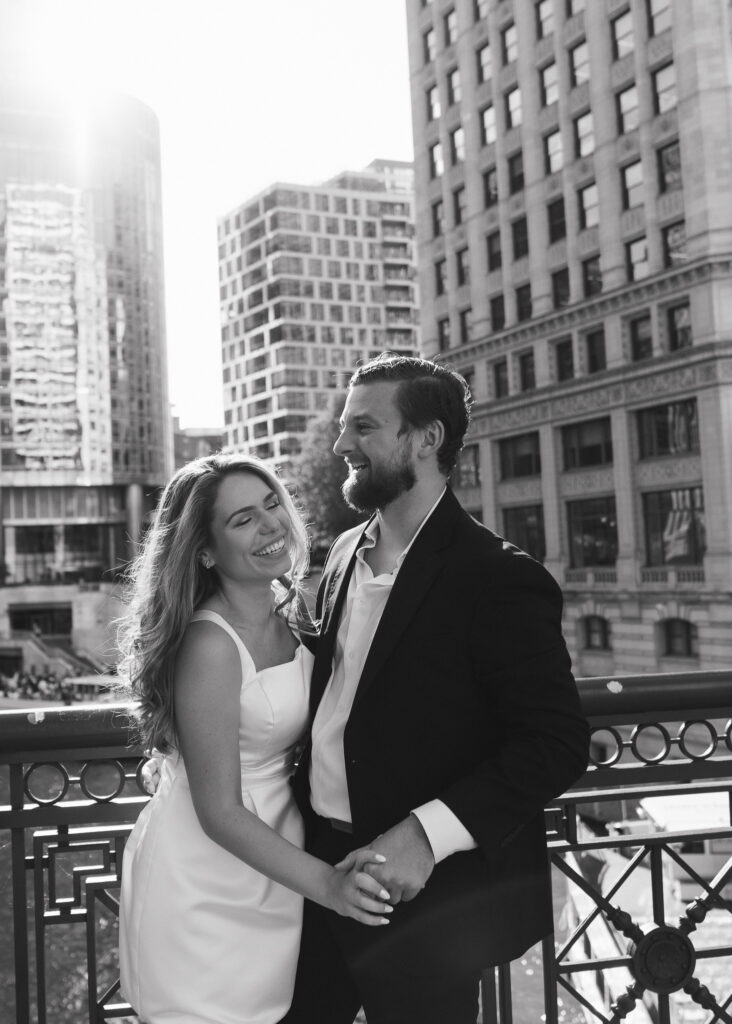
(318, 475)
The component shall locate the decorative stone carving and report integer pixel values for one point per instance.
(674, 469)
(512, 491)
(599, 480)
(588, 241)
(661, 383)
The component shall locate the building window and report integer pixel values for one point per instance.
(516, 172)
(560, 288)
(480, 10)
(588, 205)
(593, 532)
(641, 338)
(674, 526)
(512, 108)
(429, 45)
(564, 359)
(549, 84)
(457, 146)
(450, 25)
(527, 375)
(509, 44)
(465, 321)
(485, 70)
(579, 64)
(458, 205)
(636, 259)
(591, 276)
(524, 527)
(462, 265)
(626, 107)
(544, 18)
(632, 185)
(596, 633)
(490, 187)
(493, 245)
(671, 429)
(622, 33)
(487, 125)
(659, 16)
(664, 88)
(557, 220)
(467, 471)
(437, 165)
(595, 350)
(669, 167)
(574, 7)
(553, 152)
(498, 313)
(433, 103)
(500, 378)
(680, 638)
(443, 333)
(674, 244)
(520, 238)
(519, 456)
(584, 135)
(438, 218)
(440, 277)
(453, 87)
(587, 444)
(679, 327)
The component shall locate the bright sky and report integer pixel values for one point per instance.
(247, 92)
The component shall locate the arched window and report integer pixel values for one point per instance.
(596, 633)
(680, 639)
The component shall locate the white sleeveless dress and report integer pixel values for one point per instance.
(204, 938)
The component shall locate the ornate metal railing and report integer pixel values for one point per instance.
(645, 926)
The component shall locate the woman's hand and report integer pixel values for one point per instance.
(354, 893)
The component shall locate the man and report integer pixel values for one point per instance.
(445, 717)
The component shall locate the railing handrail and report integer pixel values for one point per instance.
(604, 699)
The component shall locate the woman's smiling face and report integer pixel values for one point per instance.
(250, 530)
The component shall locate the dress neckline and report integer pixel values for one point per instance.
(208, 615)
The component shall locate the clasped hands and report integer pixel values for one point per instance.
(409, 860)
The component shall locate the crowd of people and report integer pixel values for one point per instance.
(37, 685)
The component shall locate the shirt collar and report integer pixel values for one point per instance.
(371, 534)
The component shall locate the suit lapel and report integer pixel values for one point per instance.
(336, 583)
(414, 579)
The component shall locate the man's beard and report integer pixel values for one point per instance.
(379, 487)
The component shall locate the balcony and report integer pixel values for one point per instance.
(595, 577)
(644, 915)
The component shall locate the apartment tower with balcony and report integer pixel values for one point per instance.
(313, 280)
(573, 174)
(85, 434)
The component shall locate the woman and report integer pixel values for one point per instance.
(214, 873)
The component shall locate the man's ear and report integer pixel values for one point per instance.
(432, 437)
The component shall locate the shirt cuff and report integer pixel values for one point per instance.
(444, 830)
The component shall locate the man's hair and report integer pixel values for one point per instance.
(427, 392)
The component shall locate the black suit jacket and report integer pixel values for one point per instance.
(466, 696)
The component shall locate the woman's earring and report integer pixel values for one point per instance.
(206, 562)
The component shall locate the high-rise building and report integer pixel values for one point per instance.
(313, 279)
(85, 432)
(574, 211)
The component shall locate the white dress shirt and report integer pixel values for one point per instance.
(365, 601)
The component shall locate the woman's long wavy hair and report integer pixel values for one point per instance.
(168, 582)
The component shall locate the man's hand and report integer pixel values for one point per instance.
(409, 859)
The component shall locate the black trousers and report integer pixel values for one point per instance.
(411, 971)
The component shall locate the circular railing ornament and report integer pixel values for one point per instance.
(663, 960)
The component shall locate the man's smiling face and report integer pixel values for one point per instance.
(377, 447)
